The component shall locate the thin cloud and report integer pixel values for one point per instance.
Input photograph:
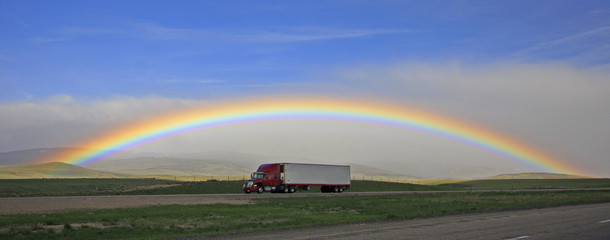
(131, 30)
(167, 33)
(314, 34)
(209, 81)
(90, 31)
(275, 35)
(589, 45)
(159, 32)
(198, 81)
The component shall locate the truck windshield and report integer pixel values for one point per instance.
(258, 175)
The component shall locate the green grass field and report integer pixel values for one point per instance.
(86, 187)
(516, 184)
(181, 220)
(74, 187)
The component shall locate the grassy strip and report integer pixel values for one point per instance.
(510, 184)
(207, 187)
(73, 187)
(86, 187)
(177, 220)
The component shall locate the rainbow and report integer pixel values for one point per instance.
(246, 111)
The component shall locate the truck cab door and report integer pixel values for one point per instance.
(282, 174)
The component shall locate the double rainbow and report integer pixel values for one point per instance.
(161, 127)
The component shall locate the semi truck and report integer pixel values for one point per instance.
(290, 177)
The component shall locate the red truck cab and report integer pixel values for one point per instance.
(265, 175)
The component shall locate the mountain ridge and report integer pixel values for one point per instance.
(214, 164)
(54, 170)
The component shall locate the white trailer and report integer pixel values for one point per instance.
(316, 174)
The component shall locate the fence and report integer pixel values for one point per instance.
(203, 178)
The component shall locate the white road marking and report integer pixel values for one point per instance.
(522, 237)
(605, 221)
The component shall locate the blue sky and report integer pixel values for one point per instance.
(537, 71)
(201, 49)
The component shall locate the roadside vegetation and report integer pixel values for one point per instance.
(515, 184)
(188, 220)
(91, 187)
(77, 186)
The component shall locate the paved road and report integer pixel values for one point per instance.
(572, 222)
(22, 205)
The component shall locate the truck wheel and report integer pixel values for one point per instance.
(291, 189)
(260, 189)
(286, 189)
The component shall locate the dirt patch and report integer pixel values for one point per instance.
(9, 206)
(150, 187)
(57, 228)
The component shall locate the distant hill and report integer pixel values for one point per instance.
(54, 170)
(221, 164)
(361, 172)
(536, 175)
(150, 166)
(29, 156)
(172, 167)
(216, 164)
